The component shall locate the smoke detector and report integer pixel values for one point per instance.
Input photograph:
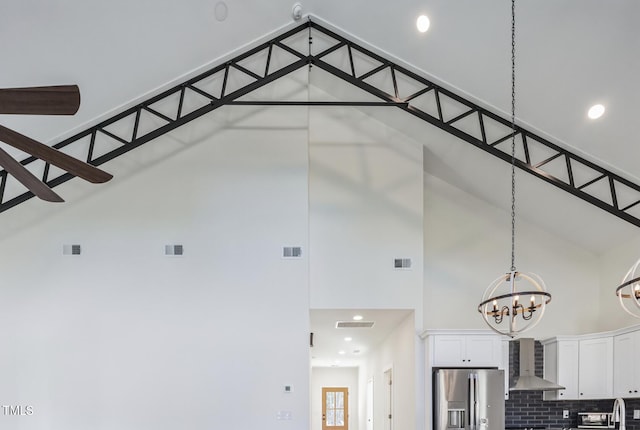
(296, 12)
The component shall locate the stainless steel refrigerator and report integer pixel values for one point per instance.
(468, 399)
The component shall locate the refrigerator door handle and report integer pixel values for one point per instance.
(473, 401)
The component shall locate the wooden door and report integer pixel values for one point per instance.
(335, 408)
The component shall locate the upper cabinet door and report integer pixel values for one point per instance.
(561, 367)
(449, 351)
(596, 368)
(485, 351)
(568, 377)
(626, 355)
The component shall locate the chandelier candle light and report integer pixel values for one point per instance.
(521, 297)
(629, 291)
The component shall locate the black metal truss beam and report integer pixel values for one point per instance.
(392, 85)
(313, 103)
(594, 184)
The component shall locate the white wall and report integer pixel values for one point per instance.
(467, 246)
(125, 337)
(396, 352)
(334, 377)
(365, 195)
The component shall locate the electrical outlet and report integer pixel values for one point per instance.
(636, 414)
(565, 413)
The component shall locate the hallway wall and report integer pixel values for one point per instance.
(396, 352)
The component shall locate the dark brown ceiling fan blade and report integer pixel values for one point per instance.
(53, 156)
(26, 178)
(52, 100)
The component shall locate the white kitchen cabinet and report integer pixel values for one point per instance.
(466, 351)
(582, 364)
(626, 356)
(561, 367)
(595, 368)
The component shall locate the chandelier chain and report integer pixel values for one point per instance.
(507, 298)
(513, 135)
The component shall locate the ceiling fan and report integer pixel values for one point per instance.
(49, 100)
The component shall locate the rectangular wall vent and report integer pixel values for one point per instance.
(71, 250)
(173, 250)
(354, 324)
(402, 263)
(291, 252)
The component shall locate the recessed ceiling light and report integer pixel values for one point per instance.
(341, 352)
(357, 317)
(423, 23)
(596, 111)
(348, 339)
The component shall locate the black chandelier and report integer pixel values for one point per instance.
(514, 302)
(504, 296)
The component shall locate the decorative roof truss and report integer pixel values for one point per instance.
(391, 85)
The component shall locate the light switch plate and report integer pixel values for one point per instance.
(284, 415)
(565, 413)
(636, 414)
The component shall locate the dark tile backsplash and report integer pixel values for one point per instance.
(527, 409)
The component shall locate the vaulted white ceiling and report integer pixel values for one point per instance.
(570, 54)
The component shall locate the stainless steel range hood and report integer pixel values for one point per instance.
(527, 380)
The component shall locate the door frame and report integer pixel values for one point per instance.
(389, 404)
